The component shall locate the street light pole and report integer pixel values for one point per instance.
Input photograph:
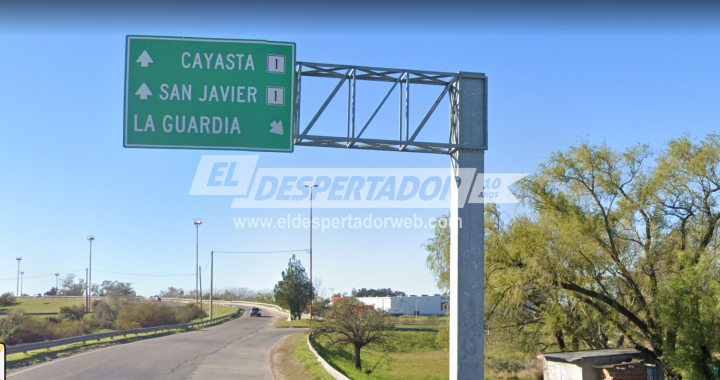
(17, 288)
(200, 290)
(212, 266)
(21, 281)
(312, 293)
(90, 238)
(197, 223)
(57, 283)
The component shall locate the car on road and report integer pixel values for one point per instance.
(255, 312)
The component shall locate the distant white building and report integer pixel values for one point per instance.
(409, 305)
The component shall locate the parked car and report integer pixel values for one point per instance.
(255, 312)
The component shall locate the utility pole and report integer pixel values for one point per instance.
(57, 283)
(87, 293)
(90, 238)
(200, 278)
(212, 266)
(17, 288)
(197, 223)
(312, 293)
(21, 282)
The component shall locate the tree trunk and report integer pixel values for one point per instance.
(560, 339)
(356, 358)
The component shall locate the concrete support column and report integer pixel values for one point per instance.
(467, 235)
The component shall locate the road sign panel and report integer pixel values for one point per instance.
(209, 94)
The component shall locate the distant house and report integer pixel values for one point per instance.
(611, 364)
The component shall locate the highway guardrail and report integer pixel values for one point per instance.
(84, 338)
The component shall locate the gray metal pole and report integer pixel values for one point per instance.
(467, 250)
(197, 263)
(57, 282)
(21, 282)
(17, 287)
(311, 288)
(200, 278)
(212, 266)
(87, 293)
(89, 277)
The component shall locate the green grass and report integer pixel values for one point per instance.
(294, 360)
(218, 311)
(281, 323)
(22, 359)
(40, 305)
(413, 355)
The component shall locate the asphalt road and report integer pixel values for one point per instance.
(238, 349)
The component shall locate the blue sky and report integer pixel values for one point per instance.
(553, 81)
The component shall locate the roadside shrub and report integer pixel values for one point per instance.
(506, 366)
(73, 313)
(104, 314)
(188, 312)
(145, 314)
(7, 299)
(18, 328)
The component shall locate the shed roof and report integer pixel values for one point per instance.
(579, 355)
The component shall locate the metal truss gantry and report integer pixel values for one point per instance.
(354, 133)
(466, 145)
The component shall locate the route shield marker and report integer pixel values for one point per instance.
(202, 93)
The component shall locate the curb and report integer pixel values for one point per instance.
(328, 368)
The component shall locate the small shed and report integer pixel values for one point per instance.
(610, 364)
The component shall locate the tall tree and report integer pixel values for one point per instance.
(293, 291)
(616, 248)
(68, 286)
(351, 322)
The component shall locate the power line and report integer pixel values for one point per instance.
(43, 275)
(147, 275)
(291, 250)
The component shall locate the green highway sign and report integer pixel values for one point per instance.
(206, 93)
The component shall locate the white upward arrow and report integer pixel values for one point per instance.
(144, 91)
(276, 127)
(144, 59)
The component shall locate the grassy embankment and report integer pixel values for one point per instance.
(40, 305)
(32, 357)
(416, 355)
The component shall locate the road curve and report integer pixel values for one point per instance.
(238, 349)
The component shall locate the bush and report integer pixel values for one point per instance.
(7, 299)
(508, 366)
(104, 314)
(188, 312)
(73, 313)
(145, 314)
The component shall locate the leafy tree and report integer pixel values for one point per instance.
(70, 288)
(293, 291)
(613, 249)
(116, 289)
(172, 292)
(383, 292)
(349, 321)
(52, 292)
(265, 297)
(438, 259)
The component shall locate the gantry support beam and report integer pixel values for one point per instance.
(466, 145)
(354, 134)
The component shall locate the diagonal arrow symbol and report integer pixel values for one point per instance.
(144, 59)
(144, 92)
(276, 127)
